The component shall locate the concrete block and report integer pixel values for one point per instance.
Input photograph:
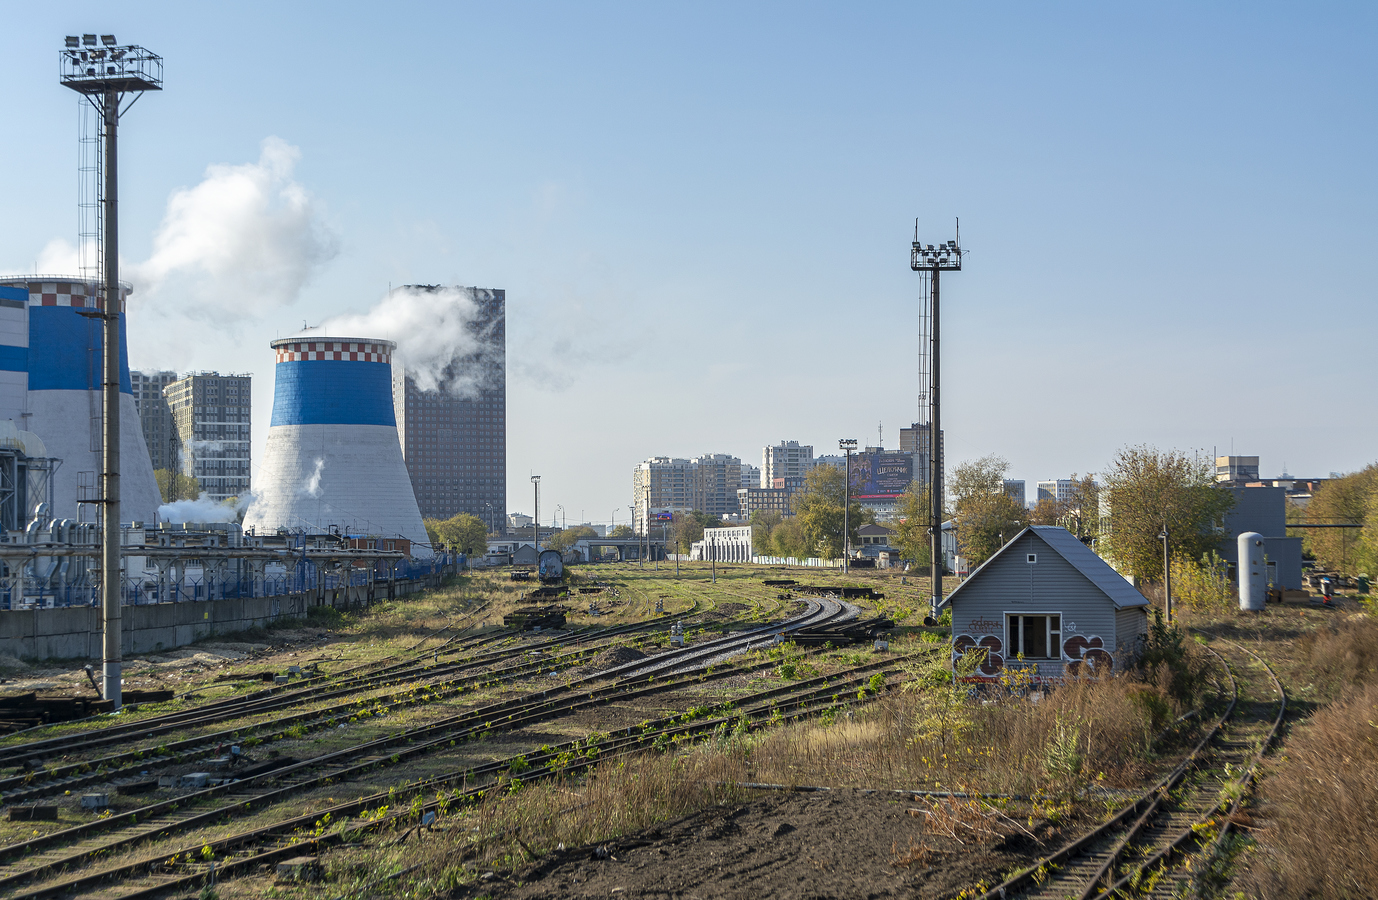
(195, 779)
(95, 801)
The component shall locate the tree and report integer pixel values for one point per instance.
(788, 539)
(569, 537)
(1147, 490)
(176, 486)
(913, 532)
(763, 522)
(818, 507)
(463, 532)
(1079, 512)
(621, 532)
(1350, 500)
(984, 516)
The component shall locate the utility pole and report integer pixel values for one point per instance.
(846, 445)
(536, 519)
(1167, 578)
(932, 261)
(104, 74)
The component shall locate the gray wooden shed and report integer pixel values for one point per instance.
(1047, 596)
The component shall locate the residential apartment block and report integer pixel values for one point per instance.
(155, 417)
(916, 440)
(211, 414)
(707, 483)
(789, 459)
(1059, 489)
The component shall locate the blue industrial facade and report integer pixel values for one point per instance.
(319, 392)
(65, 350)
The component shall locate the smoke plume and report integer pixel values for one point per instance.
(241, 243)
(311, 487)
(443, 340)
(204, 509)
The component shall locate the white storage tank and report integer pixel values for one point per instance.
(1253, 572)
(333, 456)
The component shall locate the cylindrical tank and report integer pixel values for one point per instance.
(50, 384)
(1253, 574)
(333, 456)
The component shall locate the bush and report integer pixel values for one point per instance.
(1169, 661)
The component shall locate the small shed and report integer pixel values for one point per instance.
(1046, 601)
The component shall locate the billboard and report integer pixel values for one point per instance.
(881, 472)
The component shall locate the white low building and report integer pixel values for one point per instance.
(724, 544)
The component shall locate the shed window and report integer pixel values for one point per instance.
(1036, 637)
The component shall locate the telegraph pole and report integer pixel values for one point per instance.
(932, 261)
(104, 73)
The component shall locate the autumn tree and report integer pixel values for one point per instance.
(1147, 490)
(789, 539)
(984, 515)
(818, 507)
(1350, 500)
(569, 537)
(1079, 512)
(463, 532)
(176, 486)
(913, 534)
(622, 532)
(763, 522)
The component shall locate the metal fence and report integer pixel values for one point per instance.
(306, 576)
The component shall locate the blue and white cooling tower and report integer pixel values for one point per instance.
(50, 384)
(333, 456)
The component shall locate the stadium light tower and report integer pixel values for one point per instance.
(846, 445)
(104, 74)
(932, 261)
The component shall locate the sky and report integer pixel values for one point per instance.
(702, 214)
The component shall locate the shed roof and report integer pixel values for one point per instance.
(1081, 557)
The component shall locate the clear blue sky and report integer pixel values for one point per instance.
(702, 216)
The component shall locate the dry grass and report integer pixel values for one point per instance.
(1341, 654)
(1324, 794)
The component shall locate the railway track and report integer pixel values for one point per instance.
(73, 846)
(153, 873)
(1148, 847)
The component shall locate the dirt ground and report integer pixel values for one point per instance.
(835, 844)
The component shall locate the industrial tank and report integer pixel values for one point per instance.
(333, 456)
(50, 384)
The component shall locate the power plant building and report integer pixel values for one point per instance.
(333, 459)
(211, 413)
(454, 437)
(50, 386)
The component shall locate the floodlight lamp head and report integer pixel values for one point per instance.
(88, 40)
(73, 41)
(846, 444)
(108, 40)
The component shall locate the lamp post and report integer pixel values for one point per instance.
(1167, 577)
(713, 554)
(536, 518)
(933, 261)
(846, 445)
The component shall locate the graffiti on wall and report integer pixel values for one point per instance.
(1089, 649)
(994, 651)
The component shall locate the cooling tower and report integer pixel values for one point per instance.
(50, 377)
(333, 457)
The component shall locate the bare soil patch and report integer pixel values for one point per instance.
(835, 844)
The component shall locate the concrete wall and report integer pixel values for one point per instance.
(75, 632)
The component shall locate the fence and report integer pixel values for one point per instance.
(811, 562)
(305, 576)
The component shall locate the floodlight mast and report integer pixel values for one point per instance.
(944, 258)
(104, 75)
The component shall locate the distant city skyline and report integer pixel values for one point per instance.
(702, 215)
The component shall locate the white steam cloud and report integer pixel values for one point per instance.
(241, 243)
(311, 487)
(204, 509)
(444, 339)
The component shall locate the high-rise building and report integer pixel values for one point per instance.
(751, 476)
(707, 483)
(789, 459)
(1015, 488)
(915, 440)
(211, 414)
(454, 435)
(155, 417)
(1059, 489)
